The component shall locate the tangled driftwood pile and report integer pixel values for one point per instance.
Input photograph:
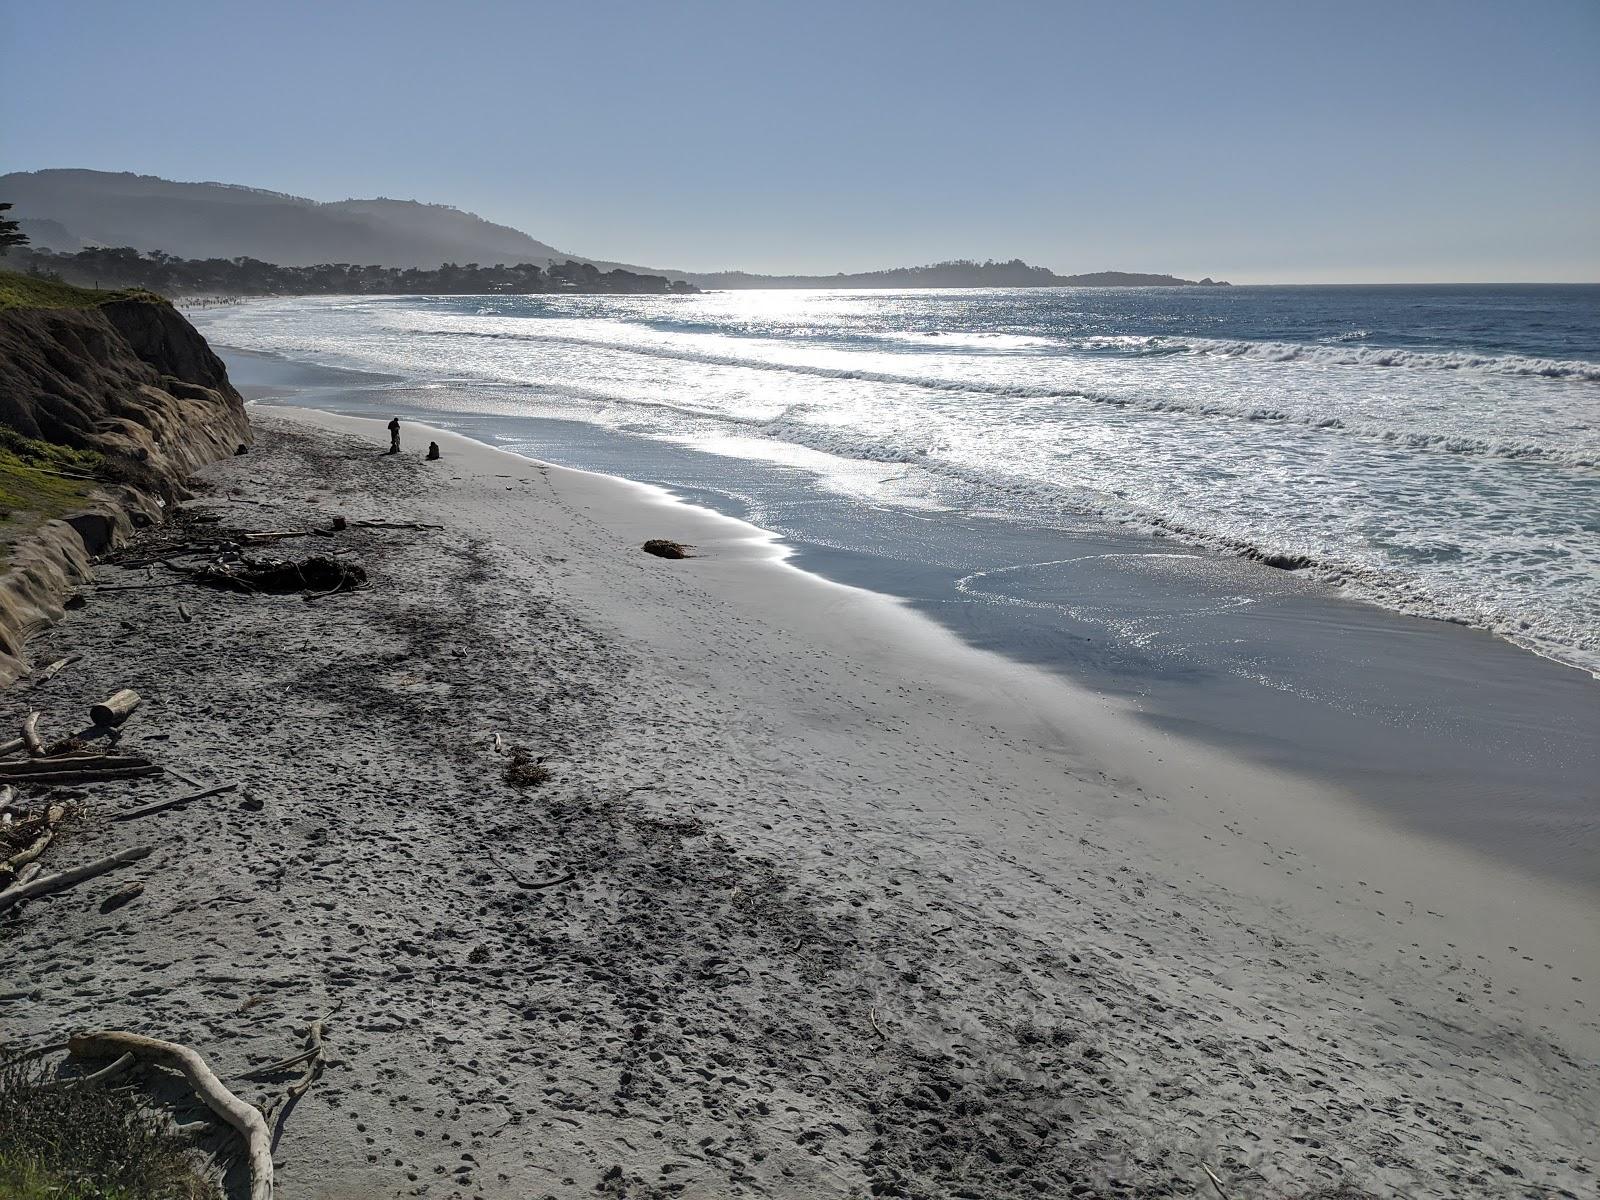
(27, 831)
(317, 573)
(219, 559)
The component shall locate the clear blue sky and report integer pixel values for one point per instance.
(1282, 141)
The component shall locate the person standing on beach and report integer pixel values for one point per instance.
(394, 435)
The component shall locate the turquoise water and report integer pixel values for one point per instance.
(1432, 450)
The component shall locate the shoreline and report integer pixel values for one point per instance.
(853, 906)
(1453, 733)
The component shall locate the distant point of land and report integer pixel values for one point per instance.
(958, 273)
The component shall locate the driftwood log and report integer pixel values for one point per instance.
(246, 1118)
(24, 768)
(71, 774)
(192, 1131)
(30, 735)
(116, 709)
(48, 673)
(274, 535)
(43, 885)
(144, 810)
(67, 750)
(183, 777)
(103, 1075)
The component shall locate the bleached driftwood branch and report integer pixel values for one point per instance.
(314, 1059)
(144, 810)
(246, 1118)
(30, 735)
(71, 774)
(46, 674)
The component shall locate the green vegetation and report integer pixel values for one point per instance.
(86, 1142)
(32, 291)
(40, 480)
(123, 266)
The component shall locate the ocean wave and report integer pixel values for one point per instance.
(1351, 355)
(988, 341)
(1421, 440)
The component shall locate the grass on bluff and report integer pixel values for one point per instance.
(40, 480)
(29, 291)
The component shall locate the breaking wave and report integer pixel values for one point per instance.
(1569, 456)
(1353, 355)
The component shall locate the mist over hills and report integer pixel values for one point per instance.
(70, 209)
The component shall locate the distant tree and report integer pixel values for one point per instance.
(10, 233)
(123, 266)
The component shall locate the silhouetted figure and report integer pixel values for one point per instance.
(433, 451)
(394, 435)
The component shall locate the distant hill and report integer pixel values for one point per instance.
(958, 273)
(72, 209)
(221, 220)
(48, 235)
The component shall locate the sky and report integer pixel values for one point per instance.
(1258, 142)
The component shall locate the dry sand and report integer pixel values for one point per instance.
(853, 910)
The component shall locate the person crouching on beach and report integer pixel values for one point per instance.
(394, 435)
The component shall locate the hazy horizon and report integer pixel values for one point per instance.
(1429, 144)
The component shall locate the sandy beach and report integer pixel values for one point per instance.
(817, 900)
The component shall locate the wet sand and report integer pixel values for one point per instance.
(853, 907)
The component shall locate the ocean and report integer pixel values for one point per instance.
(1432, 450)
(1098, 483)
